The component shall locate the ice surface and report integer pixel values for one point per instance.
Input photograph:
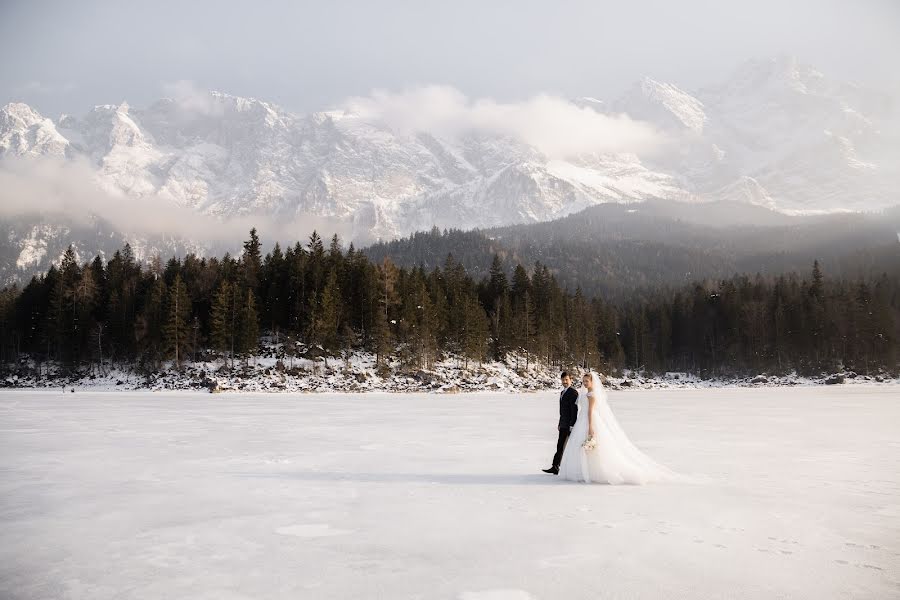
(189, 495)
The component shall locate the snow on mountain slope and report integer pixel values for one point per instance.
(776, 133)
(770, 108)
(808, 141)
(663, 104)
(24, 132)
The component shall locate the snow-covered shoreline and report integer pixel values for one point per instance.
(360, 374)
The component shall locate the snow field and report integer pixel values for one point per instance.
(234, 496)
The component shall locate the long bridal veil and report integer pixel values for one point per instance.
(616, 459)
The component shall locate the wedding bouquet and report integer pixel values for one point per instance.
(589, 444)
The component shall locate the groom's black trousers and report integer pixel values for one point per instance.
(561, 445)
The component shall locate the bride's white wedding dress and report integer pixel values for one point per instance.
(615, 459)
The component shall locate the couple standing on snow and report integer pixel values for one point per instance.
(591, 446)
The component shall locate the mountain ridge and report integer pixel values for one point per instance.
(616, 251)
(776, 134)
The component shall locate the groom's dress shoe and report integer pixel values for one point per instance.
(552, 470)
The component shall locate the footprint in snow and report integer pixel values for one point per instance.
(311, 530)
(497, 595)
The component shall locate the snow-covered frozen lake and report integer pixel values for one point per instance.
(187, 495)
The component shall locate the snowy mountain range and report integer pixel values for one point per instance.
(776, 133)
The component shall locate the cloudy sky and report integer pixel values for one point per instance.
(67, 56)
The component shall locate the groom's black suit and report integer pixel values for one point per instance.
(568, 413)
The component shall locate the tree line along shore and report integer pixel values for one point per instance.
(324, 302)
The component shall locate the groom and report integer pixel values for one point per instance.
(568, 412)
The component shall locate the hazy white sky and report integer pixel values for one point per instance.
(66, 56)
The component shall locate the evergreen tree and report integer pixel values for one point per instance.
(9, 336)
(388, 275)
(251, 261)
(248, 340)
(150, 323)
(176, 331)
(316, 263)
(275, 294)
(328, 319)
(499, 309)
(296, 295)
(56, 326)
(523, 313)
(381, 337)
(817, 289)
(475, 331)
(418, 325)
(221, 321)
(582, 332)
(63, 322)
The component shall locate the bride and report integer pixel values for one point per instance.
(598, 451)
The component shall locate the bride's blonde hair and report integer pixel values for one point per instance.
(590, 373)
